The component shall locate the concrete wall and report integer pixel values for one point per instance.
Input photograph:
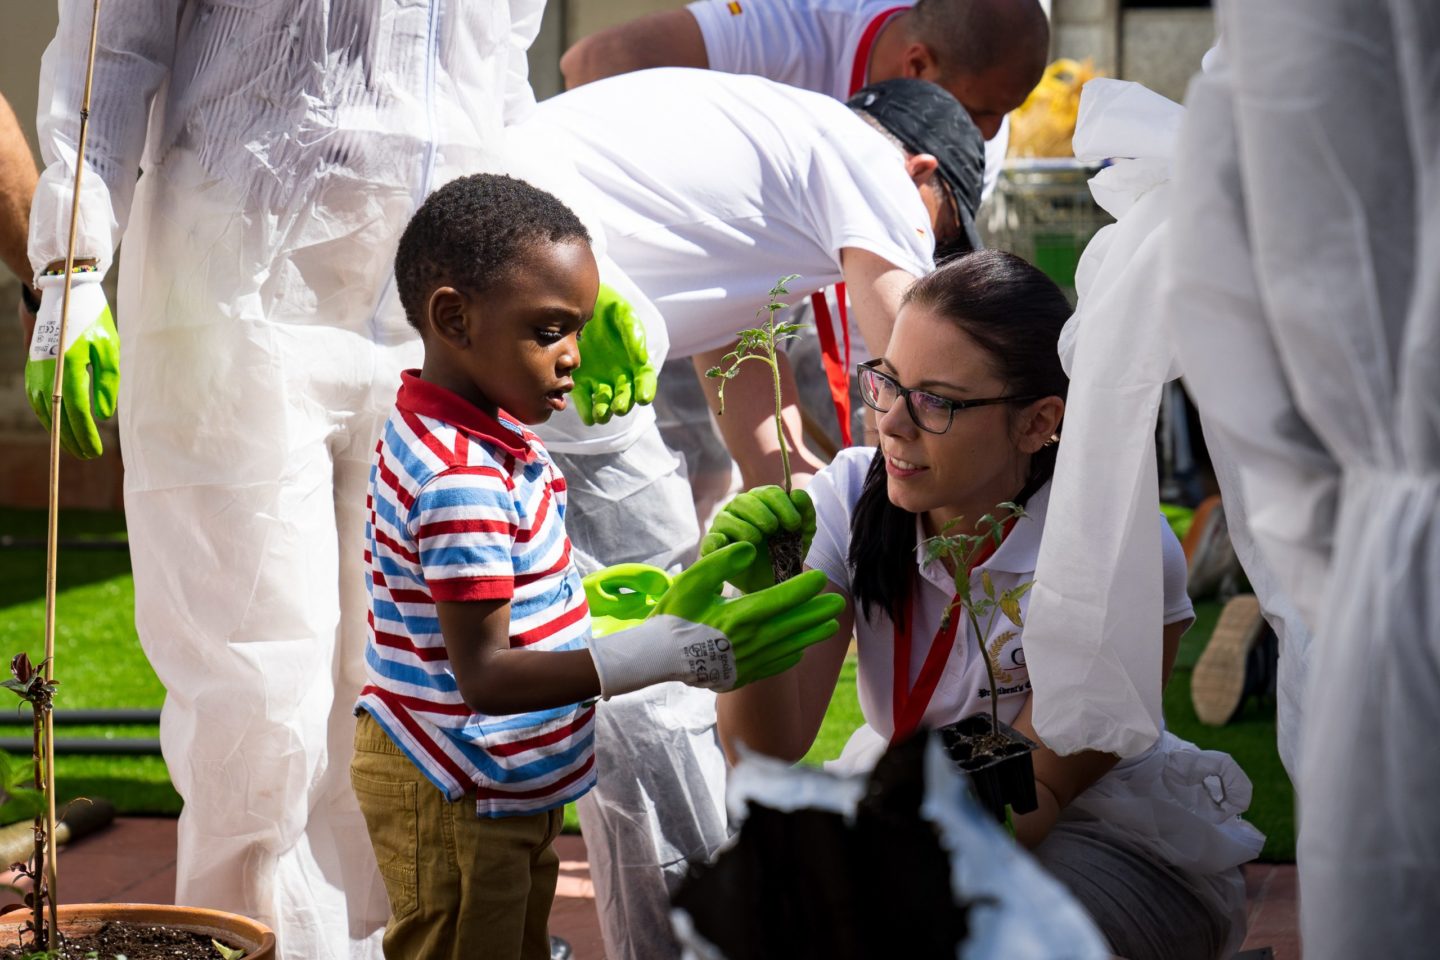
(1087, 28)
(1159, 47)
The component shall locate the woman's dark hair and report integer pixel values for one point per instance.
(1014, 313)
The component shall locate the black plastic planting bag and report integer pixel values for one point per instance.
(903, 863)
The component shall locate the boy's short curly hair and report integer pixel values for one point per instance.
(470, 232)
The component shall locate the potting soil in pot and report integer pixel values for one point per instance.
(133, 941)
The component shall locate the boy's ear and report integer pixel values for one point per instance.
(448, 317)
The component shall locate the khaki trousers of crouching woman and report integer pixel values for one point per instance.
(461, 886)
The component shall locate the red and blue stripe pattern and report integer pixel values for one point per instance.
(468, 507)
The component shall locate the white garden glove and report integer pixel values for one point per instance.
(91, 355)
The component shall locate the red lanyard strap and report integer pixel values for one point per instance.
(837, 365)
(861, 68)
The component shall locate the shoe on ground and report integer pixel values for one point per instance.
(1218, 685)
(560, 950)
(1209, 556)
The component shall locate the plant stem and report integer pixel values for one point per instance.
(38, 901)
(779, 422)
(989, 672)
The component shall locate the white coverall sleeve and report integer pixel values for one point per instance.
(1279, 485)
(133, 58)
(1091, 627)
(526, 17)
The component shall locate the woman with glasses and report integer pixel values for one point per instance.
(969, 398)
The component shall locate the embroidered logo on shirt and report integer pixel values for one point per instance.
(996, 645)
(734, 8)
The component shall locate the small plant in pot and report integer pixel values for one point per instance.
(45, 930)
(761, 344)
(996, 756)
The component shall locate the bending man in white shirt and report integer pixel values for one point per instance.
(988, 53)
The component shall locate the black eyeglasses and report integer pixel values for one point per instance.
(931, 413)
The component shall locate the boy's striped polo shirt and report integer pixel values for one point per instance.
(464, 506)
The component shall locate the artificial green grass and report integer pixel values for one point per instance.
(99, 664)
(98, 661)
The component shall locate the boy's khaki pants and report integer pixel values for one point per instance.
(460, 886)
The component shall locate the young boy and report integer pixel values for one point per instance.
(475, 727)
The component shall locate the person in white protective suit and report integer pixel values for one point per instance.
(283, 147)
(970, 398)
(1306, 304)
(745, 181)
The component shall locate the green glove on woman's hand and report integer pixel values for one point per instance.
(615, 371)
(754, 517)
(695, 635)
(91, 357)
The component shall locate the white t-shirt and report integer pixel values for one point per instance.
(712, 186)
(963, 689)
(812, 44)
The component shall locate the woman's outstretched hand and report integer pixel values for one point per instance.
(754, 517)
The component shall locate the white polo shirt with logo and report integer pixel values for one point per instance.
(963, 689)
(812, 44)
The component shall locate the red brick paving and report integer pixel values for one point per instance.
(134, 860)
(1274, 919)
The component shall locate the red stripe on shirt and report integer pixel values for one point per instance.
(525, 579)
(423, 434)
(860, 71)
(439, 528)
(397, 642)
(395, 546)
(489, 793)
(567, 619)
(544, 739)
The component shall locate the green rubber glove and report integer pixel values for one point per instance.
(753, 517)
(623, 595)
(91, 358)
(615, 371)
(695, 635)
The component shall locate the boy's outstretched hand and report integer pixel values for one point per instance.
(754, 517)
(695, 635)
(615, 372)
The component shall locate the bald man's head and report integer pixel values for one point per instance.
(988, 53)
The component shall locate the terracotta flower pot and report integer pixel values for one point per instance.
(79, 919)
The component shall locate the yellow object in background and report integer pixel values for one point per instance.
(1045, 122)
